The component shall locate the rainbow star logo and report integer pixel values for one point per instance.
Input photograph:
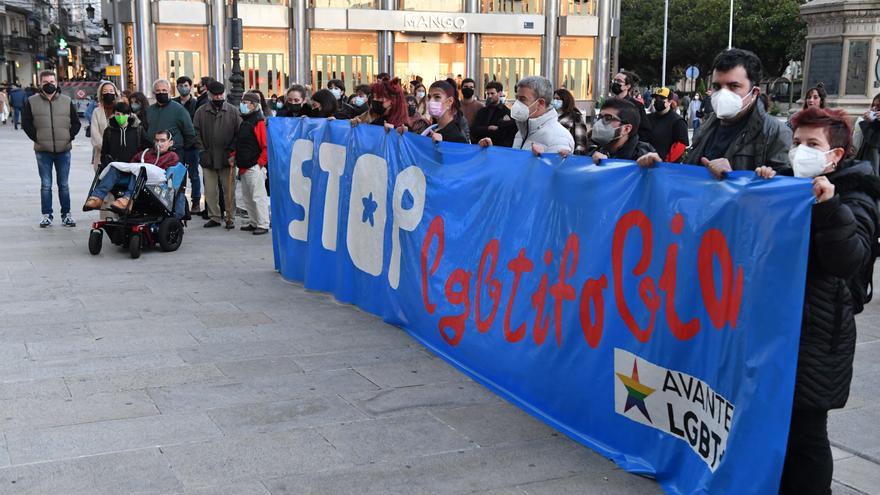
(636, 391)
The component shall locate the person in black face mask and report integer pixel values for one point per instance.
(107, 97)
(167, 115)
(417, 121)
(216, 125)
(190, 155)
(292, 104)
(670, 134)
(469, 103)
(324, 104)
(621, 86)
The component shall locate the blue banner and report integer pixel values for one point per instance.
(651, 314)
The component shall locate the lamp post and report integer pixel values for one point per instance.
(236, 79)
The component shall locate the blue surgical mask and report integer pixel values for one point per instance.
(556, 103)
(279, 105)
(358, 101)
(243, 108)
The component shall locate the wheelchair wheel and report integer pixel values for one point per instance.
(170, 234)
(96, 237)
(134, 246)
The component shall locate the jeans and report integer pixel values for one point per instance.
(191, 160)
(61, 163)
(114, 177)
(696, 124)
(16, 116)
(808, 462)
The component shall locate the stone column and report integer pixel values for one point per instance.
(299, 45)
(147, 53)
(219, 55)
(602, 57)
(386, 42)
(472, 49)
(550, 46)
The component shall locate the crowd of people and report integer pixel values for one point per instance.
(223, 145)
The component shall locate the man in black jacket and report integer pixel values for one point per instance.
(493, 121)
(615, 132)
(251, 158)
(190, 155)
(621, 87)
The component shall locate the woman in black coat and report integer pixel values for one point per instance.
(572, 119)
(843, 233)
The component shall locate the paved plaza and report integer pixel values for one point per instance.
(204, 372)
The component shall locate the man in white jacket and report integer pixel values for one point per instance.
(537, 122)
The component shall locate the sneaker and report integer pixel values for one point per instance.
(260, 231)
(68, 220)
(248, 228)
(46, 222)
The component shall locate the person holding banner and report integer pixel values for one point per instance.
(843, 247)
(388, 105)
(616, 132)
(740, 135)
(444, 108)
(537, 122)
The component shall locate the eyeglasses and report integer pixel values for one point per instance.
(618, 81)
(608, 118)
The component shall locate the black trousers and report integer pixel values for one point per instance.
(808, 463)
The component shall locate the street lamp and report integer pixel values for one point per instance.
(90, 12)
(236, 79)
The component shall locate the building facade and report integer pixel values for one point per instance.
(312, 41)
(843, 51)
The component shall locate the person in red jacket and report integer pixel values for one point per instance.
(251, 158)
(160, 155)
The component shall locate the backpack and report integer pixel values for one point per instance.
(861, 286)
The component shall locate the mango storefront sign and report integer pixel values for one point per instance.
(624, 306)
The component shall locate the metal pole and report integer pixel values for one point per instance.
(145, 46)
(665, 37)
(602, 59)
(550, 48)
(472, 54)
(730, 32)
(218, 36)
(300, 53)
(236, 79)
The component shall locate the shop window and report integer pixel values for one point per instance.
(182, 51)
(349, 56)
(576, 66)
(577, 7)
(433, 57)
(507, 59)
(264, 60)
(345, 4)
(433, 5)
(511, 6)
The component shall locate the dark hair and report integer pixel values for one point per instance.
(630, 77)
(362, 88)
(122, 107)
(298, 88)
(184, 79)
(567, 101)
(876, 98)
(337, 83)
(468, 80)
(47, 73)
(390, 90)
(384, 76)
(835, 121)
(450, 92)
(736, 57)
(497, 86)
(626, 111)
(327, 101)
(166, 132)
(451, 82)
(205, 80)
(820, 91)
(140, 98)
(262, 99)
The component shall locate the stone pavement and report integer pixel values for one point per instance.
(203, 372)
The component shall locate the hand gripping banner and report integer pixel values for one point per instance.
(652, 315)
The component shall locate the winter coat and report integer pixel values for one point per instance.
(250, 144)
(18, 98)
(764, 141)
(868, 146)
(842, 232)
(163, 161)
(216, 131)
(631, 150)
(173, 118)
(50, 124)
(120, 144)
(545, 130)
(98, 123)
(574, 122)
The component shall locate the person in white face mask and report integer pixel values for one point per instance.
(615, 132)
(537, 122)
(843, 242)
(740, 134)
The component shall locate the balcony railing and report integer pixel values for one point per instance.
(346, 4)
(18, 43)
(264, 2)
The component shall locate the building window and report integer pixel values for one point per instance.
(349, 56)
(433, 5)
(511, 6)
(183, 51)
(507, 59)
(265, 2)
(576, 66)
(264, 60)
(434, 57)
(577, 7)
(345, 4)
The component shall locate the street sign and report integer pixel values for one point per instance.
(62, 53)
(113, 70)
(692, 72)
(80, 94)
(62, 44)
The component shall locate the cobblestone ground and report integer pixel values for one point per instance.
(202, 371)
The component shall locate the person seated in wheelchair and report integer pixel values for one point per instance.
(160, 155)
